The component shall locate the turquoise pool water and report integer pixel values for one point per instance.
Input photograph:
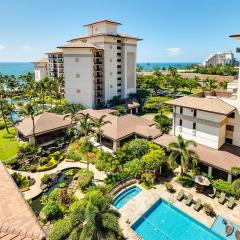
(123, 197)
(165, 222)
(219, 227)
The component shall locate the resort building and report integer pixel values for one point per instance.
(97, 66)
(211, 119)
(17, 220)
(220, 58)
(123, 128)
(56, 64)
(47, 128)
(41, 69)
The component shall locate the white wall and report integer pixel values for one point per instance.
(236, 123)
(102, 27)
(79, 90)
(208, 135)
(40, 71)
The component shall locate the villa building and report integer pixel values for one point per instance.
(221, 58)
(41, 69)
(96, 66)
(123, 128)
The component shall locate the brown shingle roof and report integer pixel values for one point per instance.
(17, 221)
(103, 20)
(79, 44)
(225, 158)
(124, 126)
(45, 122)
(214, 105)
(42, 60)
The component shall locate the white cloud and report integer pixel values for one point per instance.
(26, 48)
(2, 47)
(173, 51)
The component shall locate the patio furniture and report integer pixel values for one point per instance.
(231, 202)
(201, 182)
(237, 234)
(189, 200)
(229, 229)
(213, 194)
(222, 198)
(180, 195)
(198, 205)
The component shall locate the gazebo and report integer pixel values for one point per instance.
(48, 127)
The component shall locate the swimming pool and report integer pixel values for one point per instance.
(219, 227)
(123, 197)
(163, 221)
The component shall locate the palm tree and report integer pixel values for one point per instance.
(72, 110)
(86, 125)
(99, 123)
(180, 149)
(30, 111)
(101, 222)
(223, 85)
(4, 112)
(52, 89)
(209, 84)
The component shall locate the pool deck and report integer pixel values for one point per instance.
(145, 199)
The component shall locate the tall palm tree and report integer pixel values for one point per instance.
(29, 110)
(86, 125)
(5, 113)
(180, 150)
(99, 123)
(72, 110)
(52, 89)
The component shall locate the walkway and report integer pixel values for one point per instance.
(35, 189)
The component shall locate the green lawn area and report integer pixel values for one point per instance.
(8, 144)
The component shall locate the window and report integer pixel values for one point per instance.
(118, 66)
(118, 41)
(228, 140)
(76, 59)
(181, 110)
(119, 72)
(229, 128)
(119, 78)
(111, 73)
(119, 54)
(77, 75)
(119, 84)
(194, 113)
(180, 122)
(78, 90)
(118, 47)
(110, 60)
(194, 126)
(119, 90)
(119, 60)
(231, 115)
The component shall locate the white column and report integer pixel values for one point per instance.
(210, 171)
(229, 179)
(238, 89)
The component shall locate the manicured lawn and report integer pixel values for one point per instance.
(8, 144)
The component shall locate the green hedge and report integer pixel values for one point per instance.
(74, 155)
(62, 228)
(224, 186)
(236, 187)
(50, 165)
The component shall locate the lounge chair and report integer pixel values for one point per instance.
(189, 200)
(180, 195)
(213, 194)
(222, 198)
(231, 202)
(198, 205)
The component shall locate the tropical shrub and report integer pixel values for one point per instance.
(236, 187)
(208, 209)
(74, 155)
(50, 165)
(163, 123)
(20, 180)
(185, 180)
(27, 149)
(46, 178)
(224, 186)
(85, 179)
(148, 180)
(133, 168)
(169, 186)
(114, 178)
(62, 228)
(62, 185)
(52, 211)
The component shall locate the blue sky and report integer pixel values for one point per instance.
(172, 30)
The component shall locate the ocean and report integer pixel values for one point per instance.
(20, 68)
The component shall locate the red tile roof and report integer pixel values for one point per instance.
(225, 158)
(17, 220)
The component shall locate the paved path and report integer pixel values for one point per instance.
(35, 189)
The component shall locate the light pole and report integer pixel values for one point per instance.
(237, 37)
